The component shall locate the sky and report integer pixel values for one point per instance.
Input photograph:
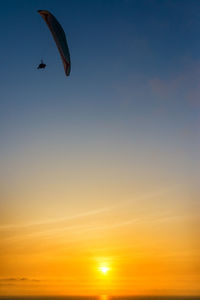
(100, 170)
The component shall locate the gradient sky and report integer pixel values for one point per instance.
(100, 168)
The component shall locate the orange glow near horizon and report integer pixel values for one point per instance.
(128, 241)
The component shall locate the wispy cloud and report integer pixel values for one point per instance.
(49, 229)
(18, 279)
(184, 85)
(54, 221)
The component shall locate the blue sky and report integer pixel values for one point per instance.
(118, 49)
(134, 83)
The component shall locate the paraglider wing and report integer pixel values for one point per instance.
(59, 37)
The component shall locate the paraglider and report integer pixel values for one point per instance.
(59, 38)
(41, 65)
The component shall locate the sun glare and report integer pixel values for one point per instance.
(104, 269)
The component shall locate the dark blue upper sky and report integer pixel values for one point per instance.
(135, 70)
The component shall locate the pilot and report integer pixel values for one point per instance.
(41, 65)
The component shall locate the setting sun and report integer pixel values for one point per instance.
(104, 269)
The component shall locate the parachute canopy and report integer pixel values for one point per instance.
(59, 37)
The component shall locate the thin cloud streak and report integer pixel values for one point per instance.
(39, 229)
(76, 230)
(51, 222)
(88, 213)
(14, 279)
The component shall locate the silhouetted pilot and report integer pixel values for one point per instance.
(41, 65)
